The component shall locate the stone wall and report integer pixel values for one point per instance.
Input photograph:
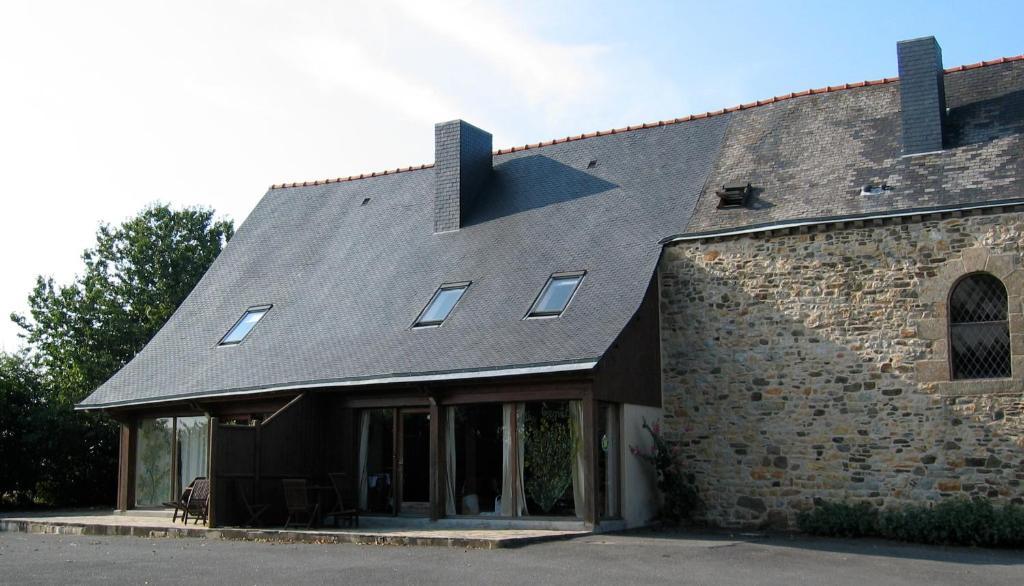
(813, 365)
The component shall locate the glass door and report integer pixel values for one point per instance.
(414, 462)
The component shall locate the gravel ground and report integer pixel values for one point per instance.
(645, 557)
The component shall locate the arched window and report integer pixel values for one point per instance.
(979, 334)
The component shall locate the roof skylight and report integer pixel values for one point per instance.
(441, 305)
(556, 294)
(244, 325)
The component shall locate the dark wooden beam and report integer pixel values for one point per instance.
(126, 467)
(385, 402)
(396, 461)
(212, 513)
(437, 490)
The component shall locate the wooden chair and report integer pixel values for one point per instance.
(341, 509)
(296, 499)
(255, 511)
(182, 503)
(198, 504)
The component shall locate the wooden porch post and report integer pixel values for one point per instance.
(126, 467)
(212, 518)
(437, 490)
(590, 459)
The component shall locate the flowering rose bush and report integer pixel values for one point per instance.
(680, 494)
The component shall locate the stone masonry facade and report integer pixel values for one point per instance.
(813, 364)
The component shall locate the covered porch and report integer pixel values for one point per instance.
(549, 452)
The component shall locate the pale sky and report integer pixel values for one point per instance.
(108, 106)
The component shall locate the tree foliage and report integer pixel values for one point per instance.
(20, 422)
(78, 335)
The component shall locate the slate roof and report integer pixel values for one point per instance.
(809, 157)
(347, 280)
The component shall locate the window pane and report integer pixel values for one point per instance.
(244, 326)
(441, 305)
(556, 295)
(608, 460)
(153, 462)
(980, 350)
(192, 443)
(479, 468)
(978, 298)
(551, 451)
(979, 332)
(376, 453)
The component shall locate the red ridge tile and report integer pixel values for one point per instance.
(687, 118)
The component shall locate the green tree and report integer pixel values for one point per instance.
(80, 334)
(21, 418)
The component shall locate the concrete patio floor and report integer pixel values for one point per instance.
(371, 531)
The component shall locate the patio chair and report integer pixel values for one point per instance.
(198, 504)
(296, 499)
(182, 502)
(255, 511)
(341, 509)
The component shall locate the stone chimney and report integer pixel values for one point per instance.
(462, 163)
(922, 95)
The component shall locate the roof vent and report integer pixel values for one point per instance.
(365, 201)
(874, 189)
(592, 164)
(734, 195)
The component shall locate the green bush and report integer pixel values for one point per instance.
(840, 520)
(951, 522)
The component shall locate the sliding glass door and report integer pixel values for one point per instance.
(153, 453)
(170, 452)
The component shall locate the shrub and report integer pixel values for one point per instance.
(952, 522)
(678, 489)
(840, 520)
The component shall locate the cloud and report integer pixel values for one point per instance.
(543, 72)
(336, 64)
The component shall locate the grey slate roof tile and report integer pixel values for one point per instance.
(347, 280)
(809, 157)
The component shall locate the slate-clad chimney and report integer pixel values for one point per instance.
(462, 162)
(922, 95)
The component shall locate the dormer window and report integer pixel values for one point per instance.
(244, 325)
(734, 195)
(441, 305)
(556, 294)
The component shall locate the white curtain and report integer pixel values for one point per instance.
(579, 488)
(521, 460)
(449, 449)
(364, 450)
(192, 448)
(507, 508)
(510, 507)
(611, 470)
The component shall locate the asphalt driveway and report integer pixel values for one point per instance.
(648, 557)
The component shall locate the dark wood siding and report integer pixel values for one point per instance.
(630, 372)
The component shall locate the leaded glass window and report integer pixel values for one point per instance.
(979, 333)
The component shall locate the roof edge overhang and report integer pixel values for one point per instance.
(790, 224)
(533, 369)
